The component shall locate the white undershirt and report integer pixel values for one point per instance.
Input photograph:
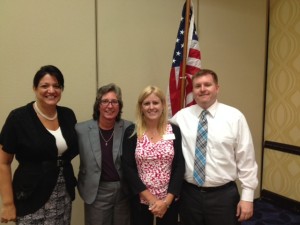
(60, 141)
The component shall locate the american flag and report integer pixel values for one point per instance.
(193, 64)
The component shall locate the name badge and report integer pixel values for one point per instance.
(169, 137)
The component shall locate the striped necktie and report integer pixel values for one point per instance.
(200, 152)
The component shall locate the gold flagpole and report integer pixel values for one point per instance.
(185, 48)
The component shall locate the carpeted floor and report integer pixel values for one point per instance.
(266, 213)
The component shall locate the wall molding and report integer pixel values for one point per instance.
(292, 149)
(280, 200)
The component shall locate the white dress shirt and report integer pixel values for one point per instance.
(230, 153)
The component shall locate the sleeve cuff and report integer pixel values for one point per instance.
(247, 195)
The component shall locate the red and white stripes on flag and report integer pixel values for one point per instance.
(193, 64)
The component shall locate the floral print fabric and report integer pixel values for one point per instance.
(154, 163)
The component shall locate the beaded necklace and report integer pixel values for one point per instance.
(42, 114)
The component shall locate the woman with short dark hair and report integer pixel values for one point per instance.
(42, 137)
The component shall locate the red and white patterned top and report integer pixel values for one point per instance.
(154, 163)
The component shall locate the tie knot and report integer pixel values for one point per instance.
(203, 114)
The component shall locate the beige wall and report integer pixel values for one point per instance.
(281, 170)
(232, 40)
(34, 33)
(135, 42)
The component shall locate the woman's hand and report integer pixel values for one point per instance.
(159, 208)
(8, 213)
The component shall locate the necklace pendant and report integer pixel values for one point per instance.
(106, 141)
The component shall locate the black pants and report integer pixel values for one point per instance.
(212, 207)
(140, 214)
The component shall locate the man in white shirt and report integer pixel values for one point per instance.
(229, 156)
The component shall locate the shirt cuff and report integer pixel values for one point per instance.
(247, 195)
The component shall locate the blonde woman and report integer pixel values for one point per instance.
(153, 162)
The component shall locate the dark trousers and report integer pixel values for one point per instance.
(140, 214)
(211, 207)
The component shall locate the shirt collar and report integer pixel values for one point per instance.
(211, 110)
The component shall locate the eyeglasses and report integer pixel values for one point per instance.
(106, 102)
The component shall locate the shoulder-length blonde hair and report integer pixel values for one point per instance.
(140, 120)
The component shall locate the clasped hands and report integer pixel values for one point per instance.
(158, 208)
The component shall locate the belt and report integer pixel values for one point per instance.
(209, 189)
(59, 162)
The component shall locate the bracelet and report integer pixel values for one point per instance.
(166, 203)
